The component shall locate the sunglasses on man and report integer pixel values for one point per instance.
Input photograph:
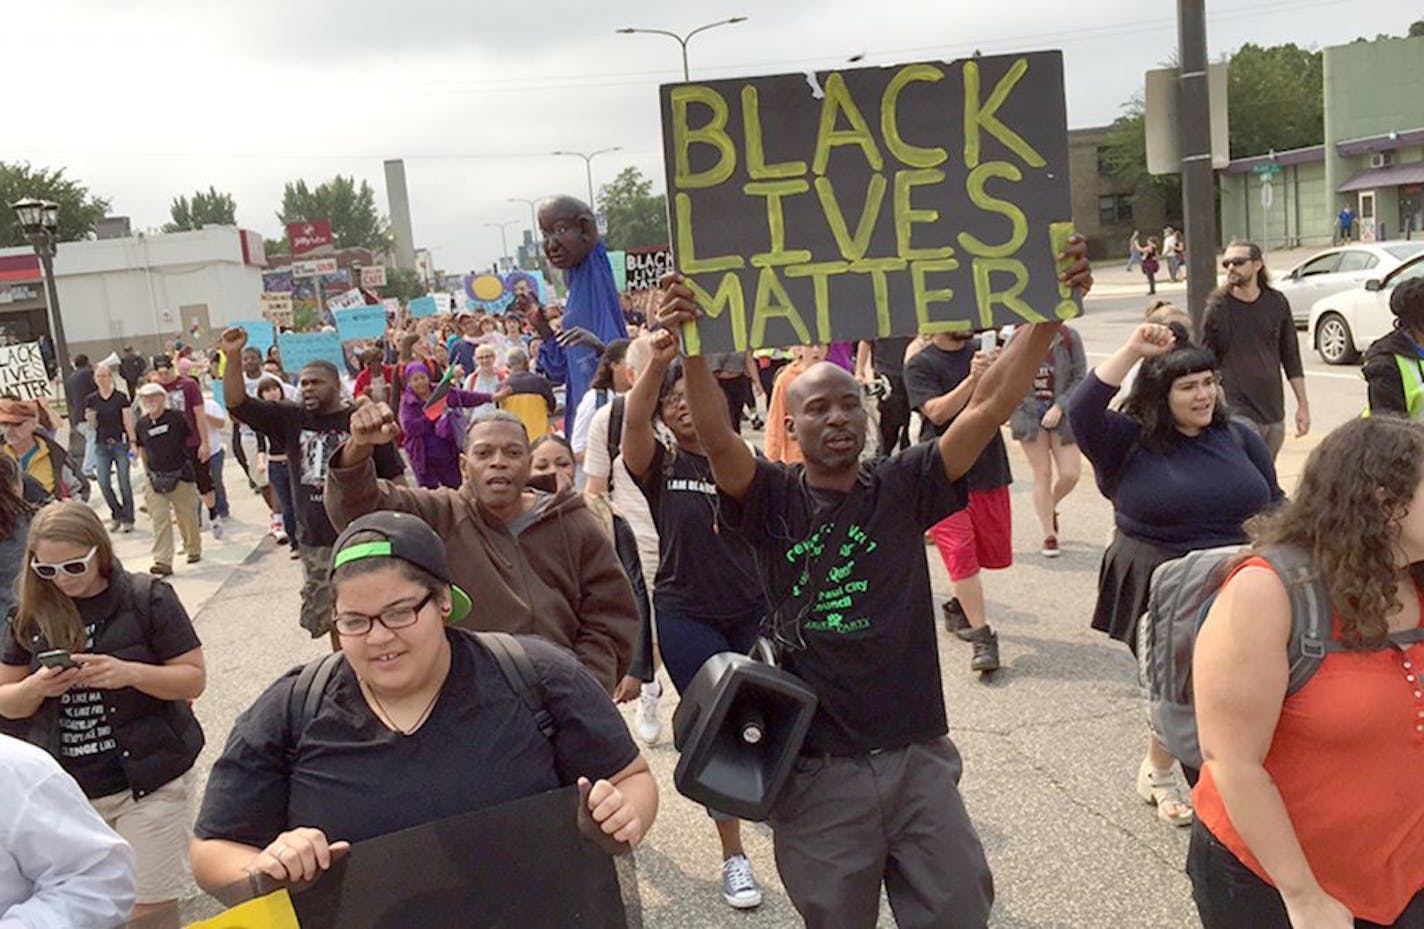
(1230, 263)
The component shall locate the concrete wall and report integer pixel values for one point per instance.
(114, 292)
(1371, 88)
(1298, 215)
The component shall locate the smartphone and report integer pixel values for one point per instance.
(988, 342)
(56, 658)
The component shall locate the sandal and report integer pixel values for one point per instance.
(1159, 788)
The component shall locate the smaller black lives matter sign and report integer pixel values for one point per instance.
(646, 266)
(871, 202)
(22, 371)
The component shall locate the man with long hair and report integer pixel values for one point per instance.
(1250, 331)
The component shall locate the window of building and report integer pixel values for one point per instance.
(1114, 209)
(1105, 164)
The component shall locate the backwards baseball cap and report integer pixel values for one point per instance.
(407, 538)
(14, 412)
(162, 361)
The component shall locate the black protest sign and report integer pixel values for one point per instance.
(521, 864)
(871, 202)
(646, 267)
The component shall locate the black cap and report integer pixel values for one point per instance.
(162, 361)
(408, 538)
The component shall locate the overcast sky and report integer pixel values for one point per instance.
(146, 99)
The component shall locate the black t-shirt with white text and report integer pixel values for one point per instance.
(310, 439)
(354, 779)
(849, 573)
(165, 442)
(934, 372)
(703, 570)
(109, 415)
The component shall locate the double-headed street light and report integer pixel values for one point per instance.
(588, 167)
(682, 39)
(39, 220)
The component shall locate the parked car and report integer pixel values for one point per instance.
(1344, 324)
(1337, 269)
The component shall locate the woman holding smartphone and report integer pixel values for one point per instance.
(101, 665)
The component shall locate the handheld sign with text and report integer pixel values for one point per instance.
(299, 349)
(22, 371)
(277, 308)
(422, 306)
(866, 203)
(646, 266)
(361, 322)
(346, 299)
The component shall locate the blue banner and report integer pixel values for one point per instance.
(361, 322)
(422, 306)
(300, 349)
(261, 334)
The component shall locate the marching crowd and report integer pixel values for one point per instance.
(560, 487)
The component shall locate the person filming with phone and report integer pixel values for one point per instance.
(101, 664)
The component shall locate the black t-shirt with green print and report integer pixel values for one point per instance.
(862, 606)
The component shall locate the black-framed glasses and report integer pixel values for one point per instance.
(74, 567)
(396, 617)
(1235, 262)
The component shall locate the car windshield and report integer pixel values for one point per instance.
(1405, 250)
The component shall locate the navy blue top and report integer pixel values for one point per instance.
(1195, 496)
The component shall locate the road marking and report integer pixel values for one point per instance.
(1334, 374)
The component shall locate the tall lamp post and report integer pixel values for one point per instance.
(682, 39)
(588, 167)
(39, 219)
(503, 240)
(533, 219)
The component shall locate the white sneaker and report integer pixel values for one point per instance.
(217, 527)
(739, 887)
(650, 723)
(278, 532)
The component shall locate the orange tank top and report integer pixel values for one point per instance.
(1347, 758)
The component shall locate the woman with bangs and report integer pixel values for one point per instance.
(100, 666)
(1181, 476)
(1310, 805)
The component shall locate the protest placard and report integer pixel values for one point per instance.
(299, 349)
(422, 306)
(261, 334)
(646, 266)
(361, 322)
(444, 304)
(618, 263)
(22, 371)
(277, 308)
(872, 202)
(392, 305)
(349, 298)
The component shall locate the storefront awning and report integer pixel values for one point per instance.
(17, 269)
(1392, 176)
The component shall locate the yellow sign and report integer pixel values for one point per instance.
(273, 911)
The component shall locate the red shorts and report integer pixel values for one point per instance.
(979, 536)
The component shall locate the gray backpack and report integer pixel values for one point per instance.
(1181, 593)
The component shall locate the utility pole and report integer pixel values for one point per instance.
(1198, 198)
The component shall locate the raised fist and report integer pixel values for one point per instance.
(373, 424)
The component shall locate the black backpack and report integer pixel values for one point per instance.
(507, 651)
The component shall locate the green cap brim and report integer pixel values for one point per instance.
(459, 604)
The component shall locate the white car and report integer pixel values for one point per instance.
(1337, 269)
(1343, 325)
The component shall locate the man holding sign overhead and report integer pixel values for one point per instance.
(819, 214)
(310, 432)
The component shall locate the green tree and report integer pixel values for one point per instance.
(78, 210)
(1127, 154)
(404, 284)
(274, 246)
(210, 208)
(1276, 99)
(1416, 27)
(355, 221)
(636, 218)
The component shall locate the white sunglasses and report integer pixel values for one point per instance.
(73, 567)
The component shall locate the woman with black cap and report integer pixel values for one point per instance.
(416, 723)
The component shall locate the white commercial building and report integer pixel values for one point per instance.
(143, 290)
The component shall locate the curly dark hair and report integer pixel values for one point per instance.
(1407, 304)
(1149, 402)
(1358, 485)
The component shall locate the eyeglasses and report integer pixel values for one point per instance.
(396, 617)
(1236, 262)
(73, 568)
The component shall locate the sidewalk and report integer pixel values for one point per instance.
(1111, 279)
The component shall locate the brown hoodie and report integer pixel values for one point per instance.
(560, 578)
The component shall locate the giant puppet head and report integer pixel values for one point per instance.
(569, 230)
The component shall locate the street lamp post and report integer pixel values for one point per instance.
(40, 221)
(588, 167)
(503, 240)
(682, 39)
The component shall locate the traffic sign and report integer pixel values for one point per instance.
(1267, 169)
(1268, 195)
